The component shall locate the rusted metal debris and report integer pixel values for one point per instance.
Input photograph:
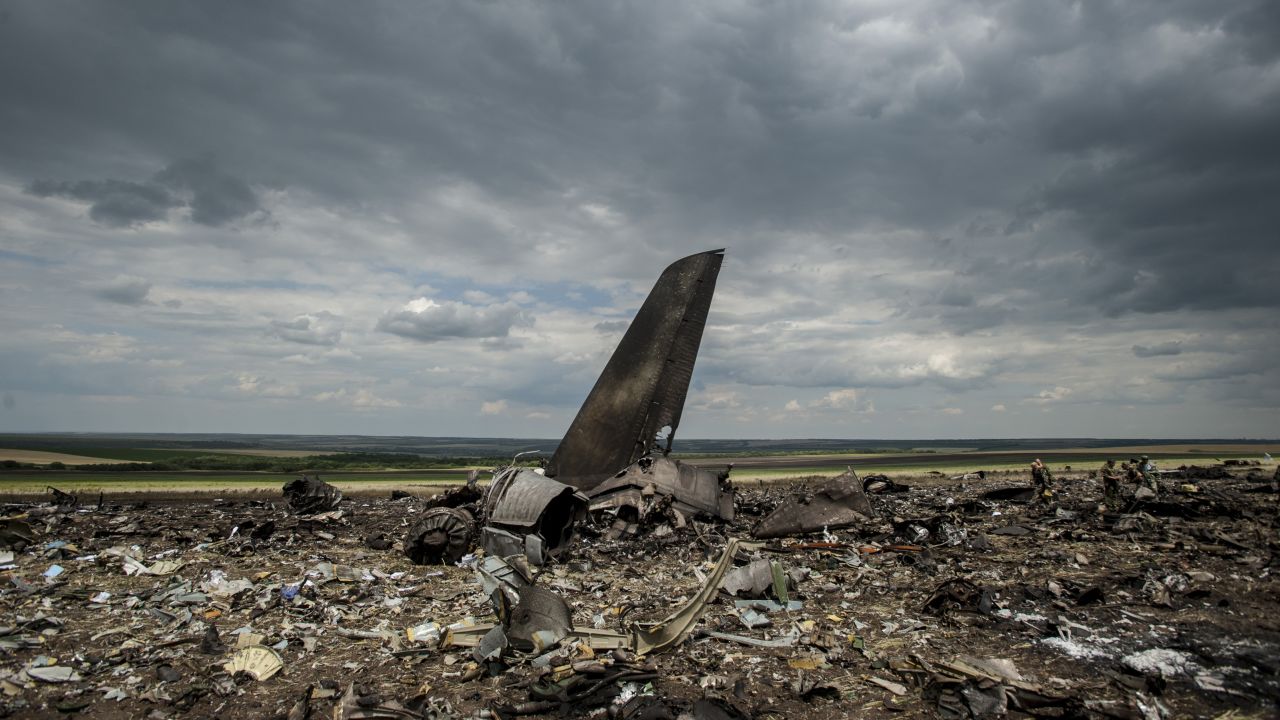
(309, 495)
(840, 503)
(643, 387)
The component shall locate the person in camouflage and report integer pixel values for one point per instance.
(1110, 485)
(1042, 479)
(1147, 474)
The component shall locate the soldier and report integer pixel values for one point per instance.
(1110, 485)
(1146, 473)
(1043, 481)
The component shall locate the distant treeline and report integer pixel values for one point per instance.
(444, 448)
(258, 463)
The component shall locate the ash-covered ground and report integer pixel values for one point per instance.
(947, 605)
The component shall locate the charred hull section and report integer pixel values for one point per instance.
(529, 513)
(310, 495)
(840, 503)
(655, 484)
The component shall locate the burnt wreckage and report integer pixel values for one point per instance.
(613, 462)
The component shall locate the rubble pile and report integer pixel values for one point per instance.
(910, 597)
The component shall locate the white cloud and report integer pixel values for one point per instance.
(256, 386)
(495, 407)
(428, 320)
(360, 398)
(1050, 395)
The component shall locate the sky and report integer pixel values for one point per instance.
(941, 219)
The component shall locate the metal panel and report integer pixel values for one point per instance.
(696, 488)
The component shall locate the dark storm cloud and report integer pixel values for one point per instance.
(213, 197)
(114, 203)
(991, 175)
(733, 120)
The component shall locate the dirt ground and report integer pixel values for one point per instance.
(1164, 609)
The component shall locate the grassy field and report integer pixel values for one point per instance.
(84, 455)
(25, 483)
(752, 468)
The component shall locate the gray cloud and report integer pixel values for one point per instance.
(612, 326)
(320, 328)
(125, 290)
(114, 203)
(1172, 347)
(213, 197)
(428, 321)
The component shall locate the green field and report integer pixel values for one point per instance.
(140, 454)
(27, 482)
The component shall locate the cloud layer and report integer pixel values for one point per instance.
(438, 220)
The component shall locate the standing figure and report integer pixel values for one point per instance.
(1110, 485)
(1042, 480)
(1147, 474)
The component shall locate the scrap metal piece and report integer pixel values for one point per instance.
(16, 534)
(751, 580)
(1010, 494)
(540, 620)
(257, 661)
(310, 495)
(62, 499)
(691, 489)
(643, 387)
(441, 535)
(670, 631)
(840, 503)
(531, 512)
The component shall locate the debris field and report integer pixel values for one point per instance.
(919, 597)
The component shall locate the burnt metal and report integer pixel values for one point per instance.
(840, 503)
(1010, 494)
(959, 594)
(442, 534)
(691, 489)
(643, 387)
(15, 534)
(309, 495)
(538, 513)
(460, 497)
(879, 484)
(539, 611)
(63, 499)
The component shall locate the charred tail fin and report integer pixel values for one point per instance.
(643, 387)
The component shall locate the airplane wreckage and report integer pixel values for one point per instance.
(613, 464)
